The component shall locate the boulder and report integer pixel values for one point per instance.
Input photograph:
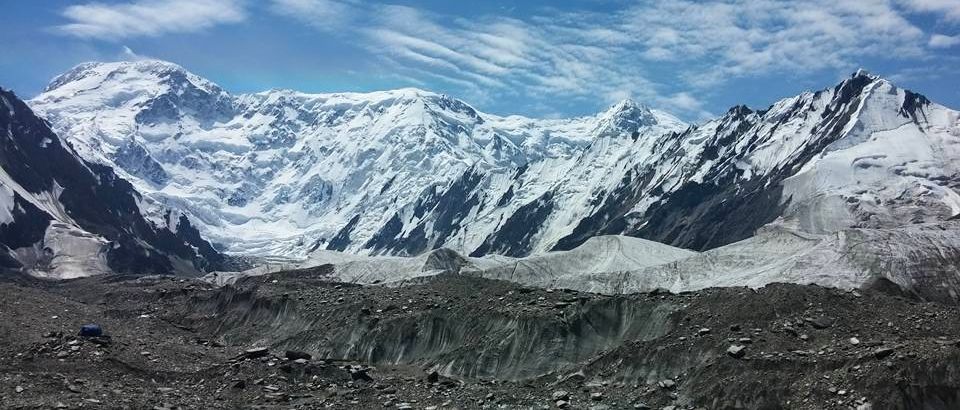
(295, 355)
(737, 351)
(256, 352)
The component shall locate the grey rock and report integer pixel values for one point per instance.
(821, 322)
(883, 352)
(294, 355)
(737, 351)
(256, 352)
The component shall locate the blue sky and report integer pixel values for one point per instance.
(539, 58)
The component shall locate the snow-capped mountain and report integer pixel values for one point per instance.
(62, 217)
(406, 171)
(862, 154)
(283, 172)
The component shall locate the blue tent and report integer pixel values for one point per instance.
(91, 330)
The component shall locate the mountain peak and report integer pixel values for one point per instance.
(862, 76)
(625, 117)
(627, 105)
(413, 92)
(90, 74)
(862, 72)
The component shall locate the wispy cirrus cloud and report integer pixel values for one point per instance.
(714, 41)
(601, 56)
(487, 55)
(148, 18)
(325, 15)
(672, 54)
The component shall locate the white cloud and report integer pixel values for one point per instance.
(691, 47)
(714, 41)
(683, 101)
(507, 55)
(942, 41)
(326, 15)
(128, 54)
(948, 9)
(148, 18)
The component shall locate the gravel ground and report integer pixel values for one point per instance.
(293, 340)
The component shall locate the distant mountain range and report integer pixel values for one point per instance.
(406, 171)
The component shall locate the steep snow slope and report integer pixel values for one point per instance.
(286, 172)
(62, 217)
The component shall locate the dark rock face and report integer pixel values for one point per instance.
(445, 213)
(341, 240)
(515, 236)
(610, 217)
(705, 216)
(387, 234)
(29, 224)
(913, 107)
(93, 196)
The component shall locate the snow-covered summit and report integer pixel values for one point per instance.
(280, 171)
(625, 117)
(94, 73)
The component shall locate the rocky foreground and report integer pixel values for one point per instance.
(292, 340)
